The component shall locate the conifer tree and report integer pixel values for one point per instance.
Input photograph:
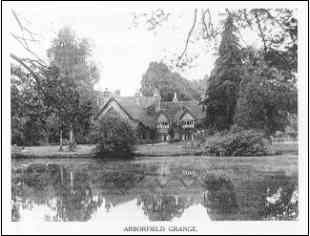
(223, 84)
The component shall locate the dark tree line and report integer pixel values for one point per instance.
(253, 88)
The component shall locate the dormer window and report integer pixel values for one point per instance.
(188, 124)
(163, 125)
(162, 122)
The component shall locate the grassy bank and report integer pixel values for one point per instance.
(149, 150)
(53, 151)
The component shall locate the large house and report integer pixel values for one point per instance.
(152, 118)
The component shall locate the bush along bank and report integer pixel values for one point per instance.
(238, 142)
(115, 139)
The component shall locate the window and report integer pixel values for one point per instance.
(188, 123)
(163, 125)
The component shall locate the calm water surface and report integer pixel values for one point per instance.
(90, 190)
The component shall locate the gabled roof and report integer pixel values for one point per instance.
(138, 108)
(161, 113)
(182, 112)
(174, 110)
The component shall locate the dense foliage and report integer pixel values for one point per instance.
(114, 138)
(238, 143)
(70, 88)
(28, 113)
(51, 103)
(159, 76)
(254, 88)
(223, 84)
(266, 100)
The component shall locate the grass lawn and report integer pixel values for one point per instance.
(167, 149)
(52, 151)
(148, 150)
(182, 148)
(285, 147)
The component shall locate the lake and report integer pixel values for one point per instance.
(155, 189)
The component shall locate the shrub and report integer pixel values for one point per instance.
(238, 142)
(114, 138)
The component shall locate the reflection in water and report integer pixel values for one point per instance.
(68, 195)
(53, 192)
(163, 207)
(281, 201)
(220, 197)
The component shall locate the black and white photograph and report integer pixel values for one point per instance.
(154, 117)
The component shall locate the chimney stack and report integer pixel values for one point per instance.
(117, 93)
(175, 97)
(106, 95)
(137, 97)
(156, 94)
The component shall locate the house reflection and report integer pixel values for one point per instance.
(170, 195)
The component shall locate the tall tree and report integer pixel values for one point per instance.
(70, 83)
(159, 76)
(267, 97)
(223, 84)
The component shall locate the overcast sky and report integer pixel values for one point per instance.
(121, 52)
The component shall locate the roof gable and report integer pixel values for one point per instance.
(186, 112)
(175, 110)
(111, 107)
(139, 109)
(162, 114)
(136, 111)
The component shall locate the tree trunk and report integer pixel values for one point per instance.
(71, 180)
(71, 136)
(72, 144)
(60, 141)
(62, 175)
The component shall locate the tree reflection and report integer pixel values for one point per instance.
(219, 196)
(280, 197)
(40, 184)
(116, 181)
(164, 194)
(75, 201)
(162, 207)
(216, 194)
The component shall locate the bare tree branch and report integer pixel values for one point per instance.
(189, 35)
(34, 74)
(23, 40)
(245, 14)
(35, 63)
(17, 20)
(204, 24)
(262, 35)
(211, 27)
